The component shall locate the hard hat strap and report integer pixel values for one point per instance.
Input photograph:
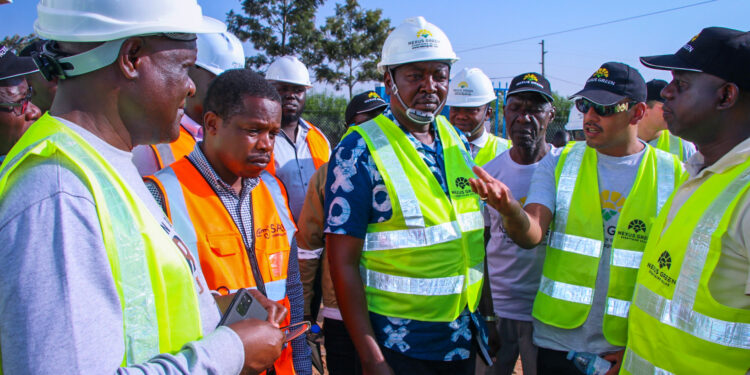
(480, 126)
(91, 60)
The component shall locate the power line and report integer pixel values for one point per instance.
(588, 26)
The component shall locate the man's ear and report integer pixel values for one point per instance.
(388, 81)
(728, 93)
(638, 111)
(131, 55)
(552, 113)
(211, 122)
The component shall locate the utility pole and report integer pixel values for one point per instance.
(543, 53)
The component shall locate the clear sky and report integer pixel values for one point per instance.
(571, 57)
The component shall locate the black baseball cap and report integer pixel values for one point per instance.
(613, 82)
(530, 82)
(364, 102)
(718, 51)
(653, 90)
(13, 66)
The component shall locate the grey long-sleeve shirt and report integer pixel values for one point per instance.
(59, 310)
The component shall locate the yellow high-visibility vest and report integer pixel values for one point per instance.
(151, 273)
(676, 325)
(571, 264)
(426, 261)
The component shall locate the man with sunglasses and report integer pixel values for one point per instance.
(691, 308)
(17, 112)
(598, 200)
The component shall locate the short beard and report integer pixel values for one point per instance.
(292, 117)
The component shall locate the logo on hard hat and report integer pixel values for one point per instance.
(424, 40)
(373, 95)
(530, 77)
(601, 73)
(424, 33)
(695, 37)
(463, 89)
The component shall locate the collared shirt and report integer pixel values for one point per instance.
(354, 178)
(730, 286)
(240, 209)
(294, 165)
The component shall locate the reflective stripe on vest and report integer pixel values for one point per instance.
(168, 153)
(224, 256)
(566, 290)
(440, 286)
(693, 323)
(160, 312)
(492, 149)
(397, 283)
(638, 365)
(670, 143)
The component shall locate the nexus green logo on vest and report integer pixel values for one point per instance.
(665, 260)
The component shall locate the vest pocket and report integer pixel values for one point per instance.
(225, 244)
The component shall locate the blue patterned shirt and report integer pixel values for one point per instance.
(355, 197)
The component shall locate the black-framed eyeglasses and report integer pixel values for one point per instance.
(583, 105)
(18, 108)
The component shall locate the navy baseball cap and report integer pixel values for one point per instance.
(722, 52)
(13, 66)
(364, 102)
(613, 82)
(530, 82)
(653, 89)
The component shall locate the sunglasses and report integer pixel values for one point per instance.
(18, 108)
(583, 105)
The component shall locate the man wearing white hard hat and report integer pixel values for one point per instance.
(95, 280)
(217, 52)
(301, 148)
(404, 231)
(469, 99)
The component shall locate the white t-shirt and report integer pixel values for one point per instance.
(514, 272)
(615, 177)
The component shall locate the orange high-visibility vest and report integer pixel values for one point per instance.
(209, 230)
(167, 153)
(319, 148)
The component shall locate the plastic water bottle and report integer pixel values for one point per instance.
(589, 363)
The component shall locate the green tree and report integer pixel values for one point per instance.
(278, 28)
(327, 113)
(16, 42)
(562, 108)
(351, 44)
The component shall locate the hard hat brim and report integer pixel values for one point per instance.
(208, 25)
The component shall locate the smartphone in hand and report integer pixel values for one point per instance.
(242, 307)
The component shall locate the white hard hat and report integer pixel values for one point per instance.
(218, 52)
(112, 22)
(470, 88)
(290, 70)
(416, 40)
(105, 20)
